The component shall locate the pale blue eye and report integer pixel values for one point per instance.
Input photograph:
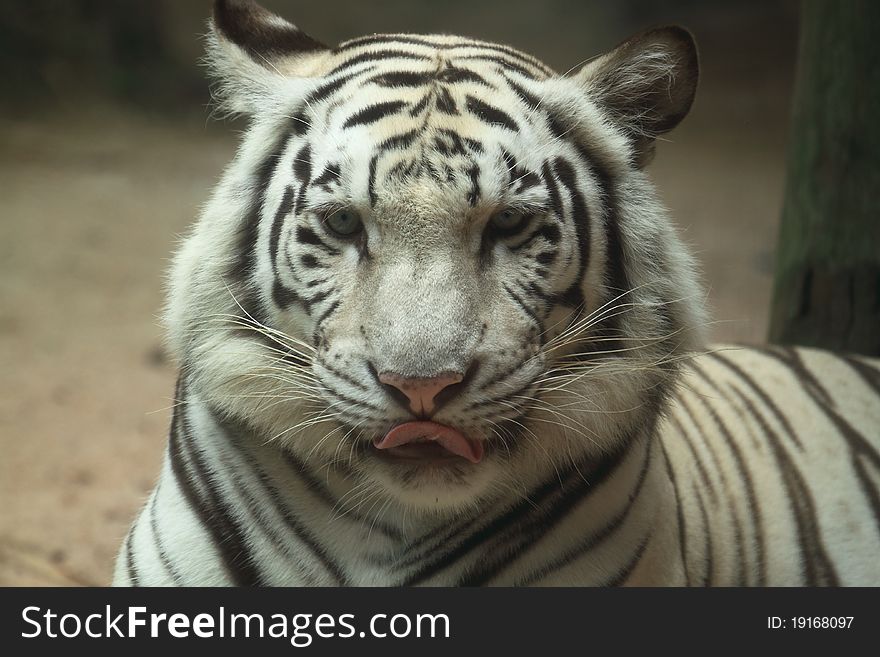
(508, 220)
(345, 222)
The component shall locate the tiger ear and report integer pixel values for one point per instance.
(647, 84)
(250, 51)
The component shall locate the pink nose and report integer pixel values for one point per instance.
(421, 392)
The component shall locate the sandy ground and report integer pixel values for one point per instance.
(91, 205)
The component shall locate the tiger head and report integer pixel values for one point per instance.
(435, 263)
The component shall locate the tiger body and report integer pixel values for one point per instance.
(731, 490)
(412, 212)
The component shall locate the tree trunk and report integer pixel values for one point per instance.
(827, 287)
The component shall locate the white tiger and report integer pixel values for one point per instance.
(435, 328)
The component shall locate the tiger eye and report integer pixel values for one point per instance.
(344, 222)
(508, 221)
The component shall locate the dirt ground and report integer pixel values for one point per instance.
(91, 206)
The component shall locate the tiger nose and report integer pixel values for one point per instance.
(423, 394)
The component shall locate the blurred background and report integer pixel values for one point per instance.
(107, 152)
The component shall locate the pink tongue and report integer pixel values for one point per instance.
(416, 432)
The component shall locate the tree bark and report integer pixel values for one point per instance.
(827, 286)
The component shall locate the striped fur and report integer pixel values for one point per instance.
(619, 450)
(768, 479)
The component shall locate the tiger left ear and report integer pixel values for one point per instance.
(251, 50)
(647, 84)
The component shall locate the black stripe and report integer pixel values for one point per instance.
(210, 510)
(133, 577)
(342, 375)
(399, 141)
(454, 74)
(489, 114)
(818, 566)
(790, 358)
(574, 296)
(327, 313)
(682, 527)
(383, 39)
(859, 446)
(305, 235)
(751, 494)
(527, 181)
(321, 296)
(445, 102)
(505, 50)
(509, 160)
(708, 545)
(323, 493)
(157, 541)
(595, 539)
(460, 146)
(504, 374)
(532, 529)
(616, 261)
(294, 359)
(522, 304)
(302, 169)
(330, 174)
(416, 109)
(350, 402)
(281, 294)
(701, 469)
(545, 258)
(535, 290)
(545, 505)
(377, 56)
(539, 499)
(371, 184)
(740, 558)
(402, 79)
(531, 101)
(431, 542)
(402, 169)
(245, 260)
(373, 113)
(549, 232)
(621, 577)
(557, 127)
(508, 395)
(473, 144)
(504, 63)
(451, 148)
(237, 556)
(524, 180)
(299, 124)
(473, 174)
(762, 395)
(347, 417)
(392, 39)
(870, 375)
(553, 191)
(311, 262)
(299, 529)
(867, 484)
(328, 88)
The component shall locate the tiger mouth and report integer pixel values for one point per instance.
(428, 442)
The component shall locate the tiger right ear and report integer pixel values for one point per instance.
(646, 84)
(251, 51)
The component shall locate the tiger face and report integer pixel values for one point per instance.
(436, 265)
